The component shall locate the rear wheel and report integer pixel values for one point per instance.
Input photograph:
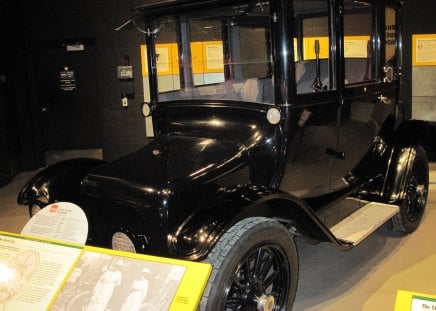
(415, 194)
(255, 267)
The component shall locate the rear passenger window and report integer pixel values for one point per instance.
(390, 47)
(358, 42)
(312, 70)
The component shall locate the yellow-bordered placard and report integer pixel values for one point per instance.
(413, 301)
(32, 270)
(207, 57)
(309, 47)
(88, 270)
(167, 59)
(424, 50)
(295, 50)
(197, 57)
(213, 57)
(144, 64)
(356, 46)
(188, 279)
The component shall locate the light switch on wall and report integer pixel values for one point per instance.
(125, 102)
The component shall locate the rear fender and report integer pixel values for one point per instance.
(198, 234)
(416, 132)
(58, 182)
(407, 137)
(399, 167)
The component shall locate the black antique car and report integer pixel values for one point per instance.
(272, 119)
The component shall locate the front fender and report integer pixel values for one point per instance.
(58, 182)
(198, 234)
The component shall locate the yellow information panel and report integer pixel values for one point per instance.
(309, 47)
(411, 301)
(207, 57)
(424, 50)
(354, 47)
(213, 57)
(167, 59)
(38, 274)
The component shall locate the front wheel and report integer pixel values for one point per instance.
(255, 267)
(415, 194)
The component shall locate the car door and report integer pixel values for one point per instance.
(362, 110)
(391, 61)
(314, 132)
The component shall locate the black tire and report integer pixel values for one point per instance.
(33, 209)
(254, 263)
(414, 200)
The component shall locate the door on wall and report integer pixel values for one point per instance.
(67, 88)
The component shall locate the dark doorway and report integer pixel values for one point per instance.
(67, 90)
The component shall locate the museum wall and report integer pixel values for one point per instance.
(33, 38)
(21, 141)
(419, 82)
(33, 41)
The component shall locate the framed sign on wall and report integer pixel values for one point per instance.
(424, 50)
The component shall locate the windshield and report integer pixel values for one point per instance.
(221, 53)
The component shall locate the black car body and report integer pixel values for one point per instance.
(299, 131)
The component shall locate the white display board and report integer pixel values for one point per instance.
(61, 221)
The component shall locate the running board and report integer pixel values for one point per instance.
(356, 227)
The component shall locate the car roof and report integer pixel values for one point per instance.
(164, 5)
(156, 7)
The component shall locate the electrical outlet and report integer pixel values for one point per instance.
(125, 102)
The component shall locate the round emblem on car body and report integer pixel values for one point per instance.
(273, 115)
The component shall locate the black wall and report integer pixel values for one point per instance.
(21, 141)
(27, 26)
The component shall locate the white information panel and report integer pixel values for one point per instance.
(422, 304)
(62, 221)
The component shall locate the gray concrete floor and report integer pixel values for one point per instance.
(364, 278)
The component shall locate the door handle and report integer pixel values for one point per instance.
(335, 153)
(384, 100)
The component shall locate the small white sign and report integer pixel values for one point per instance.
(62, 221)
(423, 304)
(75, 47)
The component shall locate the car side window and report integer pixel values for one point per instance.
(358, 42)
(392, 61)
(390, 34)
(312, 47)
(167, 61)
(207, 56)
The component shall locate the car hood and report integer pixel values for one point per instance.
(172, 162)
